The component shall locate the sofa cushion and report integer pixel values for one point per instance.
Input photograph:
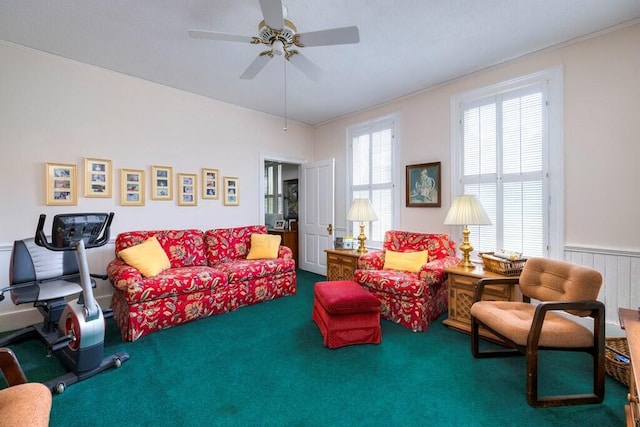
(229, 244)
(242, 270)
(264, 246)
(392, 282)
(148, 257)
(176, 281)
(405, 261)
(183, 247)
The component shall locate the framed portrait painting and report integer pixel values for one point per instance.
(231, 191)
(423, 185)
(97, 182)
(210, 180)
(187, 189)
(60, 184)
(131, 187)
(161, 183)
(290, 193)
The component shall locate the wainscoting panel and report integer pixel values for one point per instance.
(621, 276)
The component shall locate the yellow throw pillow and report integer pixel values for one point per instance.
(148, 257)
(264, 246)
(405, 261)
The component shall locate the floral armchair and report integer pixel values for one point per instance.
(413, 299)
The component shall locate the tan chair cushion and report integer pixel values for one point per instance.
(513, 320)
(26, 404)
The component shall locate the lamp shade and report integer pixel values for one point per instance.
(361, 210)
(467, 210)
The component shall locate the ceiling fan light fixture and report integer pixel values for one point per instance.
(278, 47)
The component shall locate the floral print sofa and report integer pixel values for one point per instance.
(412, 299)
(209, 275)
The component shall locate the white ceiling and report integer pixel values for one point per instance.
(405, 45)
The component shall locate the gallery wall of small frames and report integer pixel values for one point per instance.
(61, 184)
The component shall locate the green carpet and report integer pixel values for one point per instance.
(266, 365)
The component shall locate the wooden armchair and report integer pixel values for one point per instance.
(21, 403)
(527, 328)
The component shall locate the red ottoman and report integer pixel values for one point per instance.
(346, 314)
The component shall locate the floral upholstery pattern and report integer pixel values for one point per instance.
(204, 279)
(413, 300)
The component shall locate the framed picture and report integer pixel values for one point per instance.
(423, 185)
(210, 178)
(290, 193)
(131, 187)
(187, 189)
(231, 191)
(60, 184)
(97, 178)
(161, 183)
(279, 224)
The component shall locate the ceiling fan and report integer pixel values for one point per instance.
(281, 38)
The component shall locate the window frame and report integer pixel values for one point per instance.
(553, 170)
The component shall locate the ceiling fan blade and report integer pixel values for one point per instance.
(256, 66)
(342, 35)
(303, 63)
(211, 35)
(272, 13)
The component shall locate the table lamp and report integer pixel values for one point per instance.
(466, 210)
(361, 210)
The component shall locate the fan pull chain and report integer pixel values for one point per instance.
(285, 94)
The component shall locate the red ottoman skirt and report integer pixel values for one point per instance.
(346, 314)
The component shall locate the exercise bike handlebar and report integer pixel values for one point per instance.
(103, 239)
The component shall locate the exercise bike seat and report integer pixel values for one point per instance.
(37, 274)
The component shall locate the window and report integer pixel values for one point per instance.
(372, 171)
(502, 150)
(273, 188)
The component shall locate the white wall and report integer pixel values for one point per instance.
(601, 138)
(57, 110)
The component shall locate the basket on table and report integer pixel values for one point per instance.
(616, 359)
(503, 266)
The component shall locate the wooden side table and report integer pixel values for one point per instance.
(341, 264)
(462, 287)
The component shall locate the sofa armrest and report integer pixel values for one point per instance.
(122, 274)
(372, 260)
(433, 272)
(285, 252)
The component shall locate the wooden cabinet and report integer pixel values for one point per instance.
(290, 240)
(630, 322)
(462, 287)
(341, 264)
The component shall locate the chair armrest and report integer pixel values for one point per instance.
(372, 260)
(433, 271)
(506, 281)
(285, 252)
(593, 309)
(10, 368)
(121, 274)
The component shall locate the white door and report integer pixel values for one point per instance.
(316, 204)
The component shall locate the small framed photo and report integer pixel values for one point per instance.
(279, 224)
(231, 191)
(423, 185)
(187, 189)
(97, 181)
(161, 183)
(60, 184)
(210, 179)
(131, 187)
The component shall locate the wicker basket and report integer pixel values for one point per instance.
(616, 349)
(503, 266)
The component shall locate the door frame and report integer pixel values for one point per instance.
(265, 157)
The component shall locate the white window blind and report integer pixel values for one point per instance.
(503, 145)
(372, 169)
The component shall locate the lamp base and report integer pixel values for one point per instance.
(466, 250)
(362, 238)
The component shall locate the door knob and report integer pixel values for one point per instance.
(330, 229)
